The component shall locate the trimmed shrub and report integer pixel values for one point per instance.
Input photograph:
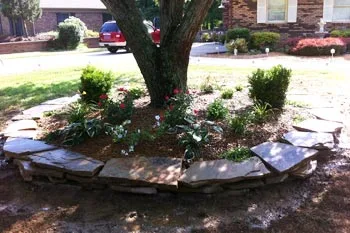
(240, 44)
(69, 35)
(270, 86)
(238, 33)
(315, 46)
(227, 94)
(340, 33)
(261, 40)
(217, 110)
(80, 24)
(94, 83)
(205, 37)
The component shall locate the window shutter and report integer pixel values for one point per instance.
(328, 6)
(292, 11)
(261, 11)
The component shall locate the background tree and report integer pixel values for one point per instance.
(214, 17)
(27, 10)
(163, 67)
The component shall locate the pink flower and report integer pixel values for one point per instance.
(99, 104)
(176, 91)
(166, 98)
(122, 106)
(187, 92)
(171, 107)
(122, 89)
(195, 112)
(103, 97)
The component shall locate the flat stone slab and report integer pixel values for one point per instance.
(62, 100)
(21, 125)
(305, 170)
(67, 161)
(29, 134)
(322, 126)
(283, 157)
(223, 171)
(310, 140)
(27, 170)
(37, 112)
(20, 117)
(328, 114)
(156, 171)
(21, 147)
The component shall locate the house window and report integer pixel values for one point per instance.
(277, 10)
(341, 11)
(62, 16)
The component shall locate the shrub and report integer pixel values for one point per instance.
(205, 37)
(240, 44)
(238, 33)
(69, 35)
(222, 38)
(315, 46)
(239, 87)
(227, 94)
(261, 40)
(207, 86)
(78, 112)
(94, 83)
(193, 139)
(238, 124)
(261, 112)
(238, 154)
(270, 86)
(91, 33)
(217, 110)
(136, 92)
(51, 35)
(340, 33)
(178, 108)
(80, 24)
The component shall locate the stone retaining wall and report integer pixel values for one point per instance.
(23, 46)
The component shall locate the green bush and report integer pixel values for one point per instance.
(222, 38)
(206, 37)
(340, 33)
(217, 110)
(207, 86)
(270, 86)
(136, 92)
(227, 94)
(238, 124)
(237, 154)
(80, 24)
(238, 33)
(178, 108)
(261, 40)
(240, 44)
(91, 33)
(116, 112)
(94, 83)
(78, 112)
(69, 35)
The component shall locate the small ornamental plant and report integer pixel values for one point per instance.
(117, 111)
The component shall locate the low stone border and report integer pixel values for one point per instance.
(23, 46)
(275, 162)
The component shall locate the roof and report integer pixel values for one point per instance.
(72, 4)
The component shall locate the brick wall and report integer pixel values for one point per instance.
(243, 13)
(25, 46)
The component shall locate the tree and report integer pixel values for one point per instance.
(163, 67)
(214, 17)
(28, 10)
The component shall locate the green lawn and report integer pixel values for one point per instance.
(18, 92)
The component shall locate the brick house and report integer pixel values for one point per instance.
(92, 12)
(289, 17)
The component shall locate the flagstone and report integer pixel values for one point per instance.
(310, 139)
(322, 126)
(22, 147)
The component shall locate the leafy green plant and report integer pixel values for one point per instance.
(340, 33)
(69, 35)
(178, 108)
(298, 119)
(261, 112)
(239, 87)
(237, 154)
(227, 94)
(270, 86)
(91, 33)
(78, 112)
(262, 40)
(94, 83)
(80, 25)
(238, 33)
(217, 110)
(207, 85)
(116, 112)
(240, 44)
(238, 124)
(136, 92)
(76, 133)
(193, 138)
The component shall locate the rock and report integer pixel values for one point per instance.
(21, 125)
(223, 171)
(161, 172)
(276, 179)
(283, 157)
(306, 170)
(209, 189)
(55, 180)
(328, 114)
(312, 140)
(29, 134)
(37, 112)
(138, 190)
(322, 126)
(67, 161)
(27, 171)
(20, 147)
(246, 184)
(62, 100)
(20, 117)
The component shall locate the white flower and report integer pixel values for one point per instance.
(138, 131)
(157, 117)
(131, 148)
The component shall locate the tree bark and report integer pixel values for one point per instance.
(163, 67)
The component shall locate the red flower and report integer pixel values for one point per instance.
(103, 97)
(99, 104)
(195, 112)
(166, 98)
(122, 105)
(171, 107)
(162, 117)
(176, 91)
(122, 89)
(187, 92)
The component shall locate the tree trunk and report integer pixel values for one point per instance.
(25, 28)
(163, 67)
